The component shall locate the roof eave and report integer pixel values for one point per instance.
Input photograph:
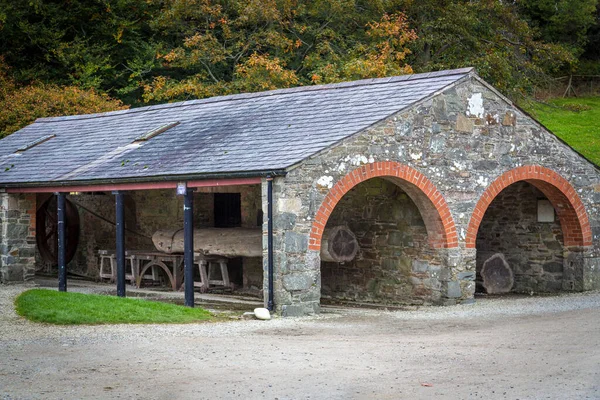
(140, 180)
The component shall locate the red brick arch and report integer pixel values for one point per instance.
(434, 210)
(569, 207)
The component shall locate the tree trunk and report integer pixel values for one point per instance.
(497, 275)
(338, 244)
(227, 242)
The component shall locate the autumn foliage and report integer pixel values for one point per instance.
(84, 57)
(22, 105)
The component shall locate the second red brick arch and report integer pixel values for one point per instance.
(569, 207)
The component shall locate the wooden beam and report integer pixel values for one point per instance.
(136, 186)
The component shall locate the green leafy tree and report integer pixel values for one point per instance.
(236, 46)
(489, 35)
(101, 44)
(561, 21)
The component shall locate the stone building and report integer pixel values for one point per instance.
(436, 175)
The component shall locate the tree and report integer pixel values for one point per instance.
(100, 44)
(489, 35)
(561, 21)
(22, 105)
(238, 46)
(164, 50)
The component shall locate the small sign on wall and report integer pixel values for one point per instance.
(545, 211)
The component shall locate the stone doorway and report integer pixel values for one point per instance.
(410, 210)
(517, 229)
(534, 215)
(395, 263)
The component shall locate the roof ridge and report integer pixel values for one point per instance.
(268, 93)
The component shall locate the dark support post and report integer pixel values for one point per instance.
(188, 246)
(270, 302)
(120, 226)
(62, 245)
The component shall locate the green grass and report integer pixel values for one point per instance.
(580, 129)
(66, 308)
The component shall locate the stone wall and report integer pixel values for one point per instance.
(17, 237)
(461, 140)
(533, 249)
(394, 258)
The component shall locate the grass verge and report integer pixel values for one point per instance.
(66, 308)
(574, 120)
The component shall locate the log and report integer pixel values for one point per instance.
(338, 244)
(497, 275)
(227, 242)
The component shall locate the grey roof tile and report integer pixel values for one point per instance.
(246, 132)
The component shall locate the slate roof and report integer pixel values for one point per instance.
(221, 136)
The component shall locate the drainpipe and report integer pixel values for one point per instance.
(270, 303)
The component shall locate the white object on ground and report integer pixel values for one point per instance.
(262, 313)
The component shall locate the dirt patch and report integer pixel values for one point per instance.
(513, 348)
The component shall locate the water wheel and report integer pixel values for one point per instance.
(47, 230)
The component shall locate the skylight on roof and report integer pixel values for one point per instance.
(155, 132)
(29, 145)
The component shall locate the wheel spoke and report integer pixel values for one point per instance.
(49, 235)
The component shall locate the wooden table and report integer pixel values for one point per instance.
(145, 264)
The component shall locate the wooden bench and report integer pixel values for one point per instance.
(141, 265)
(207, 265)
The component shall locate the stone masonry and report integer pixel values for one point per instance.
(17, 237)
(452, 154)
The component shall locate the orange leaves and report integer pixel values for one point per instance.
(261, 72)
(172, 55)
(394, 33)
(255, 45)
(392, 27)
(24, 105)
(386, 53)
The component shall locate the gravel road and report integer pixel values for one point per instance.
(504, 348)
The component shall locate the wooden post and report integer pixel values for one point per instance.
(62, 245)
(120, 228)
(188, 246)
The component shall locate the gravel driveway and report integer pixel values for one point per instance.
(505, 348)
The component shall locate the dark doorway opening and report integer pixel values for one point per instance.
(228, 210)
